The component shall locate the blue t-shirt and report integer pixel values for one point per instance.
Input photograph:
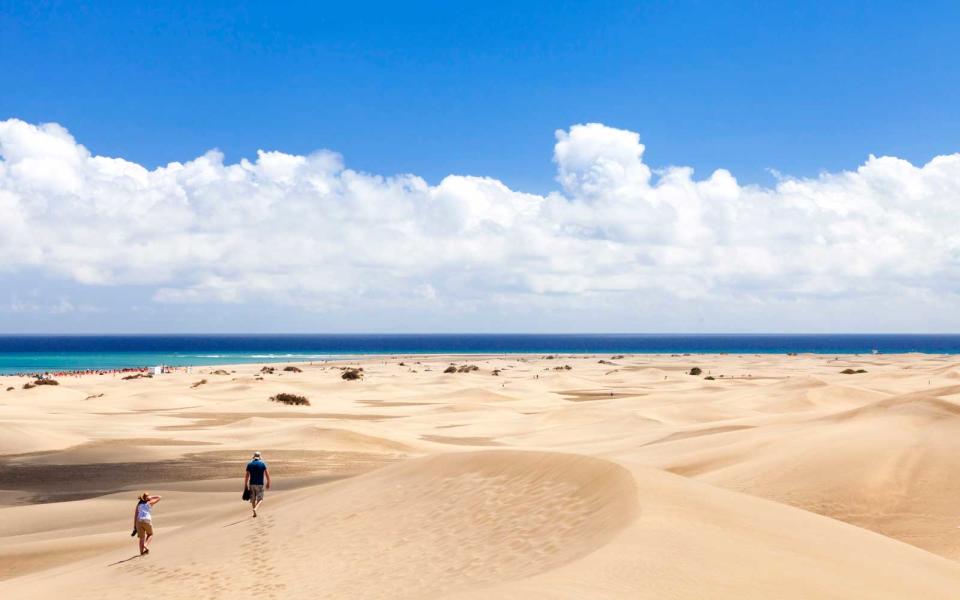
(256, 468)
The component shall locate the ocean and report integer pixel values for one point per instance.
(39, 353)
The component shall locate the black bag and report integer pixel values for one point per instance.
(246, 494)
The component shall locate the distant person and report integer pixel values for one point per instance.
(253, 480)
(143, 521)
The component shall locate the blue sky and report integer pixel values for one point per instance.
(438, 87)
(557, 225)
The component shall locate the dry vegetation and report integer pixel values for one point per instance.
(290, 399)
(137, 376)
(351, 374)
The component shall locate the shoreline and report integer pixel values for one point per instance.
(479, 356)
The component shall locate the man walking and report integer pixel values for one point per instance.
(253, 480)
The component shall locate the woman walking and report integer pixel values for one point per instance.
(143, 522)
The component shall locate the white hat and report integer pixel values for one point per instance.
(256, 454)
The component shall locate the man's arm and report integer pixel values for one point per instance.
(135, 516)
(266, 473)
(246, 480)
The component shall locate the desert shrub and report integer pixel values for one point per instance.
(290, 399)
(696, 371)
(549, 357)
(352, 374)
(199, 383)
(28, 386)
(710, 378)
(604, 362)
(268, 370)
(138, 376)
(403, 364)
(219, 372)
(10, 389)
(43, 381)
(450, 369)
(853, 372)
(617, 357)
(468, 368)
(293, 369)
(495, 372)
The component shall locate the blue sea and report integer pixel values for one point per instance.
(38, 353)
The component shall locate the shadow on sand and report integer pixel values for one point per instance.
(120, 562)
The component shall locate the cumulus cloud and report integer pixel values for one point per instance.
(309, 231)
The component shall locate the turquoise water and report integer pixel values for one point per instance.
(24, 362)
(32, 354)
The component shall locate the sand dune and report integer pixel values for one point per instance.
(470, 519)
(781, 477)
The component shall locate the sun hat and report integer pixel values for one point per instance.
(144, 496)
(256, 454)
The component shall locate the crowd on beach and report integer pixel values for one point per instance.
(82, 372)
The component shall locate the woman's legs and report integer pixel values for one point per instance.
(145, 532)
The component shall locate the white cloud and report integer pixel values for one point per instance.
(307, 231)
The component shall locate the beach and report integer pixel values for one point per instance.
(528, 476)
